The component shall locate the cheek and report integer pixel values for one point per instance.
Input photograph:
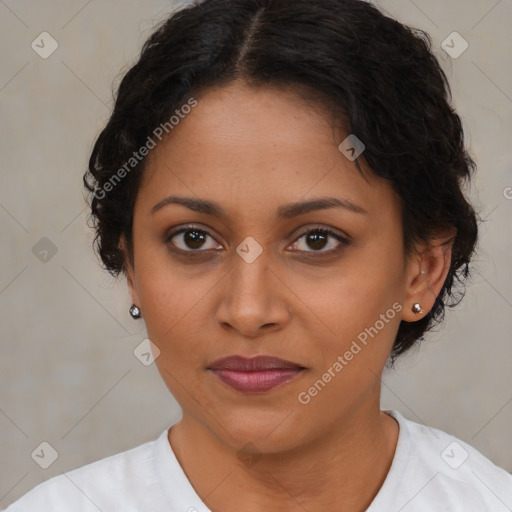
(173, 305)
(173, 325)
(358, 303)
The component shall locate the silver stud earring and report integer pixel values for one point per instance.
(417, 309)
(135, 312)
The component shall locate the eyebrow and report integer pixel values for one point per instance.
(286, 211)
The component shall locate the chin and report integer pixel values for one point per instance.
(269, 432)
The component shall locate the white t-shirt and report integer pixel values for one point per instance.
(431, 471)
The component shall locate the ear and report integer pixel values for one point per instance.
(129, 272)
(427, 269)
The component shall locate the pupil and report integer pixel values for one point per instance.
(317, 238)
(194, 239)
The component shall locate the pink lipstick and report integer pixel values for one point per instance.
(254, 375)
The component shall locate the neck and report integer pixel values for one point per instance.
(342, 469)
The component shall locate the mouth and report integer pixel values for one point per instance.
(255, 375)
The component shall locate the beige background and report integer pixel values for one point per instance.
(68, 372)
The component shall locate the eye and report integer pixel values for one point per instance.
(191, 239)
(318, 239)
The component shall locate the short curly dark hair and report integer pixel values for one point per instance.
(381, 75)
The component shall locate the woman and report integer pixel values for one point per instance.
(281, 184)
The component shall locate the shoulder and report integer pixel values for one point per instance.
(448, 473)
(122, 481)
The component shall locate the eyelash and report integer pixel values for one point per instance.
(317, 230)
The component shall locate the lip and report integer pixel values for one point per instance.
(255, 375)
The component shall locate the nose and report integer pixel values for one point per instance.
(254, 299)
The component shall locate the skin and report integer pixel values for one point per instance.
(252, 151)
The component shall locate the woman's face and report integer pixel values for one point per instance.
(257, 279)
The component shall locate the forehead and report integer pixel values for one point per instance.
(244, 146)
